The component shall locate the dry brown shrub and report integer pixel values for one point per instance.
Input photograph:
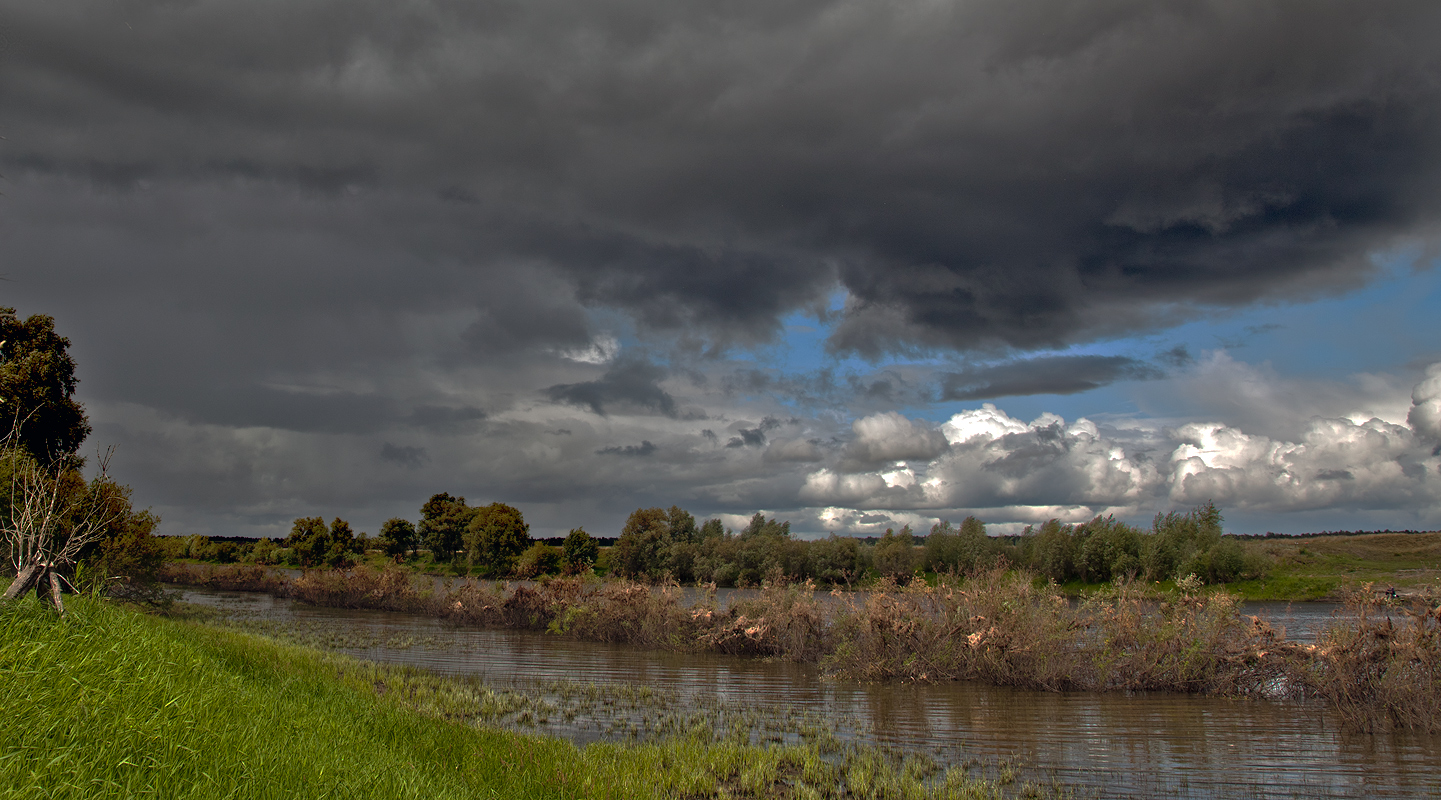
(785, 621)
(995, 626)
(475, 604)
(630, 613)
(389, 589)
(1194, 643)
(1382, 672)
(1002, 627)
(233, 577)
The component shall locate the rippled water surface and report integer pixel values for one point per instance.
(1108, 745)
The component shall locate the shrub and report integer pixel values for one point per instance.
(539, 559)
(895, 555)
(398, 538)
(579, 551)
(495, 537)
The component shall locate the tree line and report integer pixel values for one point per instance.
(659, 544)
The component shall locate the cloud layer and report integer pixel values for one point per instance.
(1026, 471)
(974, 174)
(324, 256)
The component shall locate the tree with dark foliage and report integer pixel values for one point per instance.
(37, 388)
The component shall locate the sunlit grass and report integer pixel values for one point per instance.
(108, 702)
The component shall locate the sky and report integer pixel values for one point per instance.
(851, 263)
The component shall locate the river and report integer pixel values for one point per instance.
(1107, 745)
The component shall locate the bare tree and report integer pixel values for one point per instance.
(54, 514)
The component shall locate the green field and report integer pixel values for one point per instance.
(109, 702)
(1323, 567)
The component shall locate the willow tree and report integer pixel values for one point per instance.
(53, 512)
(54, 516)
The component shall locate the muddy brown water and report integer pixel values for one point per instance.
(1104, 745)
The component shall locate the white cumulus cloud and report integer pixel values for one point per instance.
(995, 461)
(890, 436)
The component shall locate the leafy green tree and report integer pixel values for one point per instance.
(1053, 551)
(37, 388)
(263, 551)
(579, 551)
(1106, 549)
(836, 560)
(342, 544)
(309, 540)
(681, 525)
(124, 559)
(1179, 541)
(398, 538)
(712, 529)
(443, 522)
(760, 527)
(895, 553)
(495, 538)
(643, 549)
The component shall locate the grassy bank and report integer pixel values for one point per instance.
(1324, 567)
(107, 702)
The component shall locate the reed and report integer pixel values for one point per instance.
(233, 577)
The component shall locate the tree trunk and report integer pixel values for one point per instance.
(55, 592)
(27, 576)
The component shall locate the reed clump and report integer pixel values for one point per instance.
(387, 589)
(1384, 671)
(786, 620)
(1008, 629)
(231, 578)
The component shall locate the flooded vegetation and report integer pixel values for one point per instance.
(1137, 744)
(997, 626)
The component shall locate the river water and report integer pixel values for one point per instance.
(1105, 745)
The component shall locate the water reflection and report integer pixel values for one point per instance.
(1142, 745)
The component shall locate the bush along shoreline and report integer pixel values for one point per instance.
(1004, 627)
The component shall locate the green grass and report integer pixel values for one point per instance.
(109, 702)
(1321, 567)
(1324, 567)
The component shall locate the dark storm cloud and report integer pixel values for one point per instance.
(982, 174)
(444, 418)
(285, 237)
(403, 455)
(628, 385)
(645, 448)
(301, 411)
(1048, 375)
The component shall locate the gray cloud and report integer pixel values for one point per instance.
(404, 456)
(283, 240)
(1047, 375)
(1021, 174)
(445, 418)
(629, 384)
(645, 448)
